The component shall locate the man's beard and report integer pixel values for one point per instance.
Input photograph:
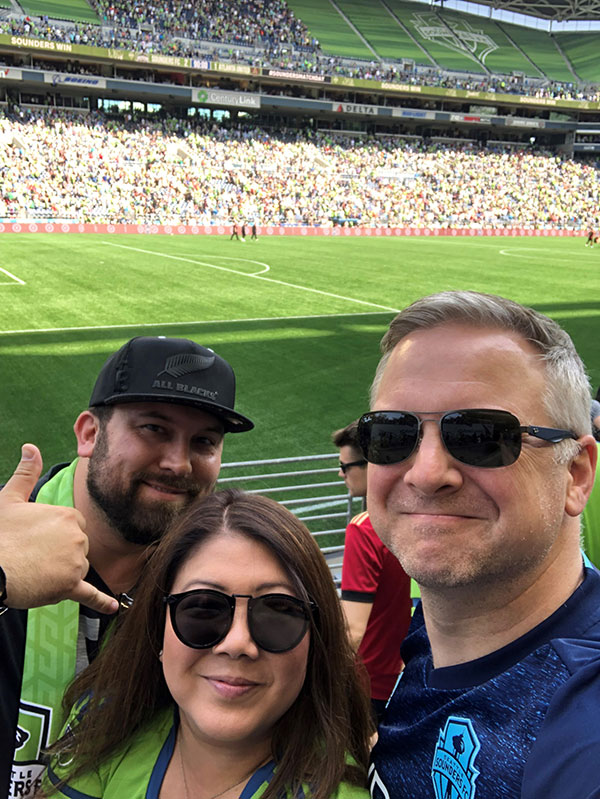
(138, 522)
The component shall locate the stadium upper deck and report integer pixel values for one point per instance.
(392, 30)
(235, 55)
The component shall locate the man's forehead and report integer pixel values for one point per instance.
(173, 413)
(457, 341)
(467, 336)
(464, 355)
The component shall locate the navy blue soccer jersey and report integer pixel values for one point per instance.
(519, 723)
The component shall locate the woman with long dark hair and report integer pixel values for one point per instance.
(231, 674)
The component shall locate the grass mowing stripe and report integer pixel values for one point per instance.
(256, 277)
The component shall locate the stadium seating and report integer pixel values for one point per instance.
(541, 49)
(326, 25)
(357, 29)
(383, 31)
(75, 10)
(92, 169)
(489, 44)
(353, 37)
(582, 50)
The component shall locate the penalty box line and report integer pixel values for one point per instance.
(255, 276)
(16, 281)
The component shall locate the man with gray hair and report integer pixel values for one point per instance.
(481, 460)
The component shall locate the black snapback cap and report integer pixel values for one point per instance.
(160, 369)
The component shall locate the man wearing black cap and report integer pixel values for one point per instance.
(148, 445)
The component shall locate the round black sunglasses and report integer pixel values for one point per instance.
(483, 437)
(202, 618)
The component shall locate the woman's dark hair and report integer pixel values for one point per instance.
(324, 736)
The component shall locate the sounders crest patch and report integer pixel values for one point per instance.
(453, 770)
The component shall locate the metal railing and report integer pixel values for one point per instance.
(301, 484)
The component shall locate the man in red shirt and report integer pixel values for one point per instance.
(375, 588)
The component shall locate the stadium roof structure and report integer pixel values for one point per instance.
(555, 10)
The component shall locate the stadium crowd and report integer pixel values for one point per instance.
(268, 34)
(94, 169)
(247, 22)
(175, 26)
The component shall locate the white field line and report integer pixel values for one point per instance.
(256, 277)
(191, 323)
(538, 257)
(267, 268)
(495, 241)
(17, 280)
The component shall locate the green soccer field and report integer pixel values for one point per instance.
(299, 318)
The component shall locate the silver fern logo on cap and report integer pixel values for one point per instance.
(179, 365)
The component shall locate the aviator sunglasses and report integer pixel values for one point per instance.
(202, 618)
(477, 437)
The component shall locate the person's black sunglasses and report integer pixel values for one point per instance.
(202, 618)
(477, 437)
(345, 466)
